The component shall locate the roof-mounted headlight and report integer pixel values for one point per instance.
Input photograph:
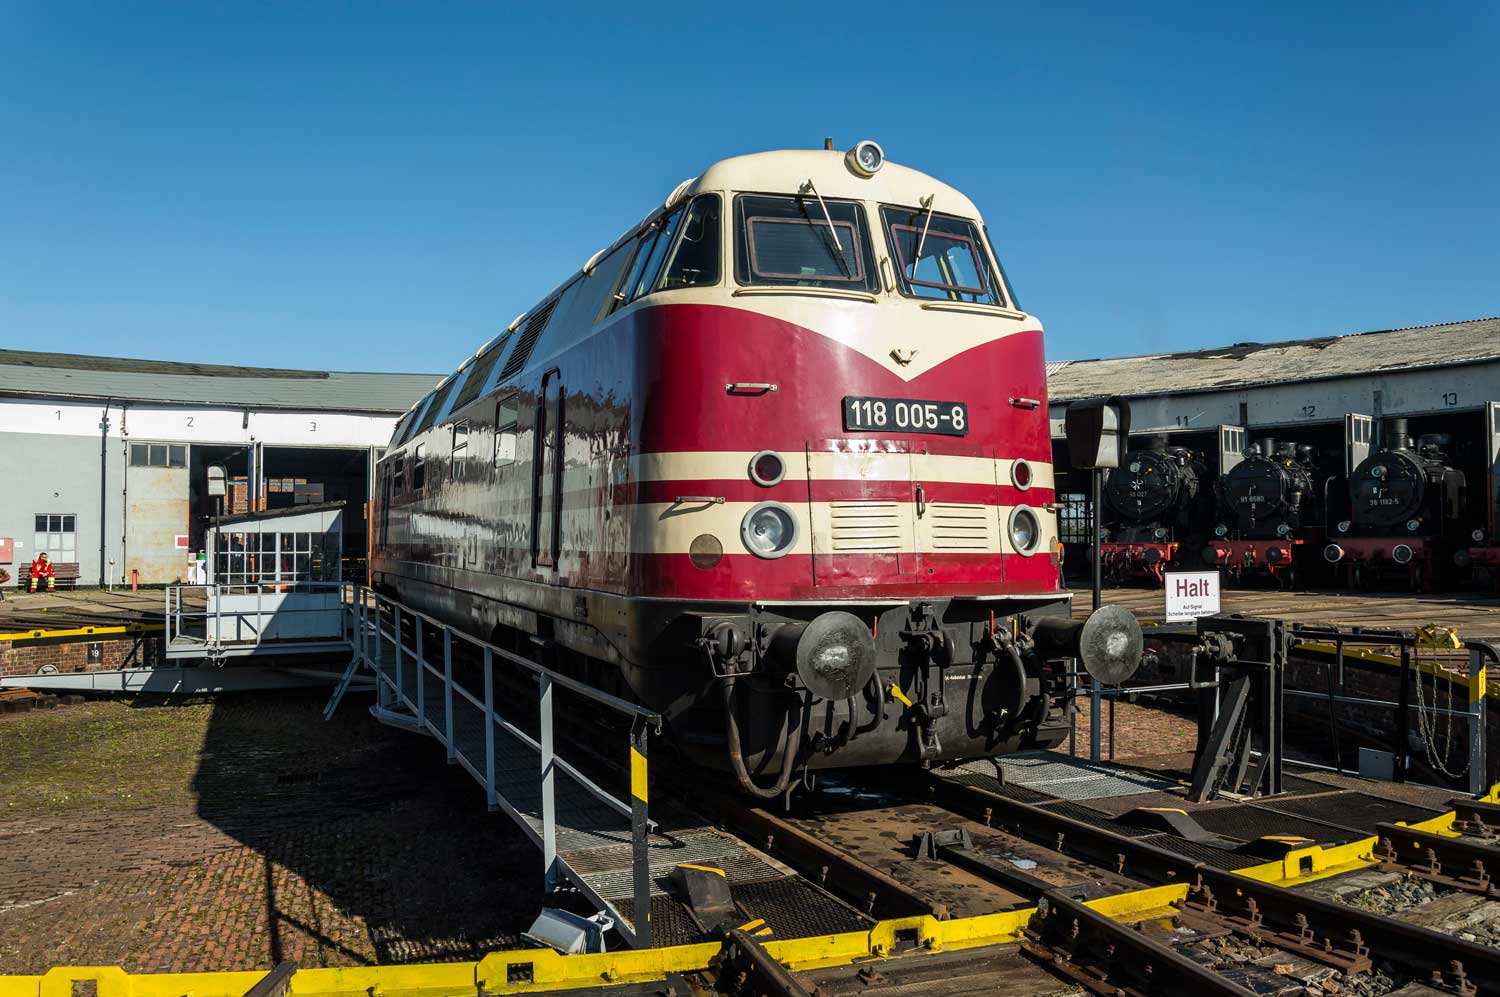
(865, 159)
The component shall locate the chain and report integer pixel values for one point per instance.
(1428, 727)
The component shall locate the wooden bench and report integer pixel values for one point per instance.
(63, 573)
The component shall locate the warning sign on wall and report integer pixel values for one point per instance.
(7, 550)
(1191, 594)
(182, 541)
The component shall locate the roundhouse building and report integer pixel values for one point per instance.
(1442, 378)
(104, 461)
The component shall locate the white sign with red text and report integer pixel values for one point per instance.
(1191, 594)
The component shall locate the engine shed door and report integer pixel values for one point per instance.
(1231, 447)
(1359, 433)
(1492, 449)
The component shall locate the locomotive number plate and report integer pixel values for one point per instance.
(905, 415)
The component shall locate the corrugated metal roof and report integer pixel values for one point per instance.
(62, 375)
(1249, 364)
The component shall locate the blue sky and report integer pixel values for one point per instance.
(380, 186)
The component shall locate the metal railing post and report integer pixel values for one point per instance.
(1478, 763)
(549, 783)
(448, 694)
(396, 636)
(491, 794)
(640, 854)
(421, 679)
(1095, 700)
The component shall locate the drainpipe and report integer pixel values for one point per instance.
(103, 485)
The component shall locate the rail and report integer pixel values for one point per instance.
(419, 690)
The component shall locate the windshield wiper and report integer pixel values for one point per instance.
(826, 216)
(926, 203)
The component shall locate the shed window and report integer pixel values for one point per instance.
(56, 534)
(158, 455)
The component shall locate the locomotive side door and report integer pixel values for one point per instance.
(1359, 433)
(547, 468)
(1492, 449)
(1231, 447)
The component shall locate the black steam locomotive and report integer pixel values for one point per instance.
(1405, 513)
(1154, 503)
(1267, 504)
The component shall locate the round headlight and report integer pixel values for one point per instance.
(1020, 475)
(1401, 554)
(767, 468)
(1477, 536)
(1283, 530)
(1343, 526)
(1025, 530)
(1275, 555)
(769, 530)
(1221, 530)
(1413, 525)
(1333, 553)
(1153, 555)
(866, 158)
(1160, 533)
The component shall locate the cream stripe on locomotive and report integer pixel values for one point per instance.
(838, 527)
(708, 465)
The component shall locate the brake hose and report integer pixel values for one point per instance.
(736, 754)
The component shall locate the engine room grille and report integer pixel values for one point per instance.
(960, 526)
(535, 323)
(860, 527)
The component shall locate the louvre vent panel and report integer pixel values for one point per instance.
(961, 526)
(535, 323)
(865, 526)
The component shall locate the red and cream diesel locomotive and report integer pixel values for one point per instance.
(775, 463)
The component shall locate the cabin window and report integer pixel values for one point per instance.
(1009, 288)
(789, 241)
(398, 474)
(436, 404)
(694, 261)
(419, 468)
(507, 418)
(460, 452)
(938, 256)
(479, 373)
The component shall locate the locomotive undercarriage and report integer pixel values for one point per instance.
(769, 694)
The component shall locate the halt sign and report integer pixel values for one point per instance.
(1191, 594)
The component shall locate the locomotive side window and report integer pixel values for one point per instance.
(788, 241)
(419, 468)
(507, 423)
(479, 373)
(1009, 288)
(460, 451)
(694, 261)
(649, 257)
(939, 256)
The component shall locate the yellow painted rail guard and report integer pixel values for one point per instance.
(536, 970)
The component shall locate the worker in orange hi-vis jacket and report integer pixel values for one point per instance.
(42, 568)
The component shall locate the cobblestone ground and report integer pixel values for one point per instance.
(1139, 730)
(235, 833)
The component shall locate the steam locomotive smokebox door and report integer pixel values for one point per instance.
(1098, 431)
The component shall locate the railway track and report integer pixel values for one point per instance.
(930, 845)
